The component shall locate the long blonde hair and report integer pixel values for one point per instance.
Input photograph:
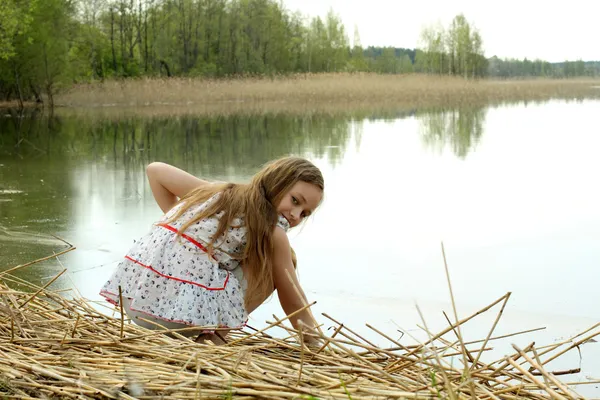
(257, 203)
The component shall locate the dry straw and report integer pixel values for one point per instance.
(304, 94)
(53, 346)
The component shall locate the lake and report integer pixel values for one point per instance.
(508, 190)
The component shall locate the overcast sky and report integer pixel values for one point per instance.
(550, 30)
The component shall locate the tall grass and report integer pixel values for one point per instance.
(330, 93)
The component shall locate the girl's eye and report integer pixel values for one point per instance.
(294, 200)
(303, 214)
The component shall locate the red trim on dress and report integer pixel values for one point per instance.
(106, 294)
(179, 279)
(191, 239)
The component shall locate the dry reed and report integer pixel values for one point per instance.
(52, 346)
(317, 93)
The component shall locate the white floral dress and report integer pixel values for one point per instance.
(174, 279)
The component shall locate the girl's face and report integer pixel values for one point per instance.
(301, 200)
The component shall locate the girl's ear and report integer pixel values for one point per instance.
(294, 259)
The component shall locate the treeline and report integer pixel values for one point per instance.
(512, 68)
(50, 43)
(46, 45)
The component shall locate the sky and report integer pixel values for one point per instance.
(552, 31)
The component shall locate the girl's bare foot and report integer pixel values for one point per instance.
(215, 338)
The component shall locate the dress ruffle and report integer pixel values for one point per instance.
(172, 279)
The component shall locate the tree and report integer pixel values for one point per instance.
(579, 68)
(86, 56)
(15, 17)
(357, 56)
(457, 50)
(39, 48)
(337, 43)
(46, 56)
(461, 31)
(15, 25)
(48, 44)
(387, 62)
(420, 61)
(432, 42)
(477, 60)
(406, 66)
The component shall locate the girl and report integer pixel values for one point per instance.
(220, 251)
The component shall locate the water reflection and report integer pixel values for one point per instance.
(460, 128)
(218, 143)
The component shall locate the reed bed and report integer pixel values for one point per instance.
(58, 346)
(312, 93)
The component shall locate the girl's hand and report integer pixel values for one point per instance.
(311, 338)
(169, 184)
(314, 343)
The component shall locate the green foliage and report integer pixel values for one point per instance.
(357, 61)
(456, 50)
(41, 53)
(46, 56)
(406, 66)
(9, 15)
(434, 383)
(47, 45)
(345, 388)
(15, 17)
(387, 63)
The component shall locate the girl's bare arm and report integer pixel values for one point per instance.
(290, 294)
(169, 183)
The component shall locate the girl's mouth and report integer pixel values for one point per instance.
(288, 220)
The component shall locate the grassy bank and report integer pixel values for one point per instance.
(329, 93)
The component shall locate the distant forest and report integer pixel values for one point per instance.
(46, 45)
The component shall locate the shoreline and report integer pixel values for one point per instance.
(309, 94)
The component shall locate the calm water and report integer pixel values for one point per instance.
(512, 192)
